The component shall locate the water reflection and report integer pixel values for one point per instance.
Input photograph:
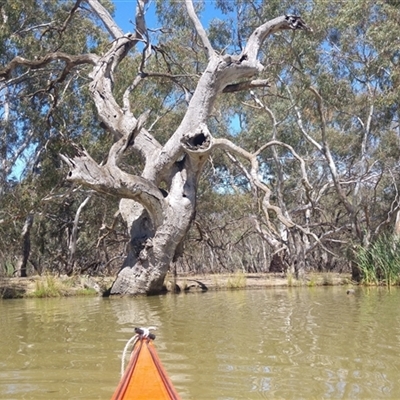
(276, 343)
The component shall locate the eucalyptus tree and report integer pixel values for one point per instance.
(334, 102)
(42, 108)
(159, 203)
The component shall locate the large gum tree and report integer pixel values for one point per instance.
(159, 203)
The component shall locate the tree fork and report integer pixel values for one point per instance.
(158, 222)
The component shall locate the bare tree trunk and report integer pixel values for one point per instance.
(299, 253)
(396, 230)
(74, 237)
(26, 246)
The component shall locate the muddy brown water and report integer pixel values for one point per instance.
(290, 343)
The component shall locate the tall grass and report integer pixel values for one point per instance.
(237, 280)
(380, 262)
(47, 288)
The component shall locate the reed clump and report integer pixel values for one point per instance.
(47, 287)
(237, 280)
(379, 263)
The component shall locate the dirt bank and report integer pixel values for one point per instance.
(240, 280)
(51, 286)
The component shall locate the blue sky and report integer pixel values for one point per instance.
(125, 12)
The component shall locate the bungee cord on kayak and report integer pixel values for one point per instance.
(145, 377)
(139, 333)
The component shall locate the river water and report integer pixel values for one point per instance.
(292, 343)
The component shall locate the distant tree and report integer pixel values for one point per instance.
(42, 110)
(333, 108)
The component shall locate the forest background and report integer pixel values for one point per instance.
(323, 125)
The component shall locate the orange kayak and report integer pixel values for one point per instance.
(145, 378)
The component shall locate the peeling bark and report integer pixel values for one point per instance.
(74, 237)
(26, 246)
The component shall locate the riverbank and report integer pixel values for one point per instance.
(58, 286)
(240, 280)
(53, 286)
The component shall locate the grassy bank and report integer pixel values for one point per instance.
(53, 286)
(57, 286)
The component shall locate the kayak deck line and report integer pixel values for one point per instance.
(145, 378)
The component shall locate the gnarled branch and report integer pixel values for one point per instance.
(285, 22)
(70, 60)
(111, 180)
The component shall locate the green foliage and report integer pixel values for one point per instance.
(380, 262)
(48, 287)
(6, 268)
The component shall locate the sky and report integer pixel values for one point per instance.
(125, 12)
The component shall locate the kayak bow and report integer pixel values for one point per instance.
(145, 377)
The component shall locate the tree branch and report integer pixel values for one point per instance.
(120, 121)
(70, 60)
(325, 150)
(246, 85)
(114, 30)
(291, 22)
(221, 72)
(119, 148)
(70, 15)
(199, 28)
(74, 234)
(228, 145)
(111, 114)
(109, 179)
